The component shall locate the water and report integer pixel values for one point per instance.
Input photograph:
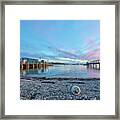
(72, 71)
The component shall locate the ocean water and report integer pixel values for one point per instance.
(70, 71)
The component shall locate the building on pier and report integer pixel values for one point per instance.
(30, 63)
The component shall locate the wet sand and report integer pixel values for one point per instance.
(35, 88)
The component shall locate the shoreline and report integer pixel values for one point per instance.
(56, 78)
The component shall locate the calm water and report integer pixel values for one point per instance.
(75, 71)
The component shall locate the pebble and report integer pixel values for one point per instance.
(61, 90)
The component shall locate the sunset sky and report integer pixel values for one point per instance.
(60, 40)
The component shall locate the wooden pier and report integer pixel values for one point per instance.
(95, 64)
(33, 65)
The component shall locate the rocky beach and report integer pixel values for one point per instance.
(42, 88)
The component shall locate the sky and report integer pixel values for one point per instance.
(60, 40)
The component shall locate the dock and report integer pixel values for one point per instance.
(94, 64)
(33, 64)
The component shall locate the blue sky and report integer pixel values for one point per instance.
(66, 40)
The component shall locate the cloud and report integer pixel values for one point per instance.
(66, 60)
(63, 53)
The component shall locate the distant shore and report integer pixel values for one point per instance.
(57, 78)
(42, 88)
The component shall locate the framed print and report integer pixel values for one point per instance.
(60, 60)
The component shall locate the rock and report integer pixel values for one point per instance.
(75, 90)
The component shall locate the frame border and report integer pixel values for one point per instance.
(2, 56)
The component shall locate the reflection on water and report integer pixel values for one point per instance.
(78, 71)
